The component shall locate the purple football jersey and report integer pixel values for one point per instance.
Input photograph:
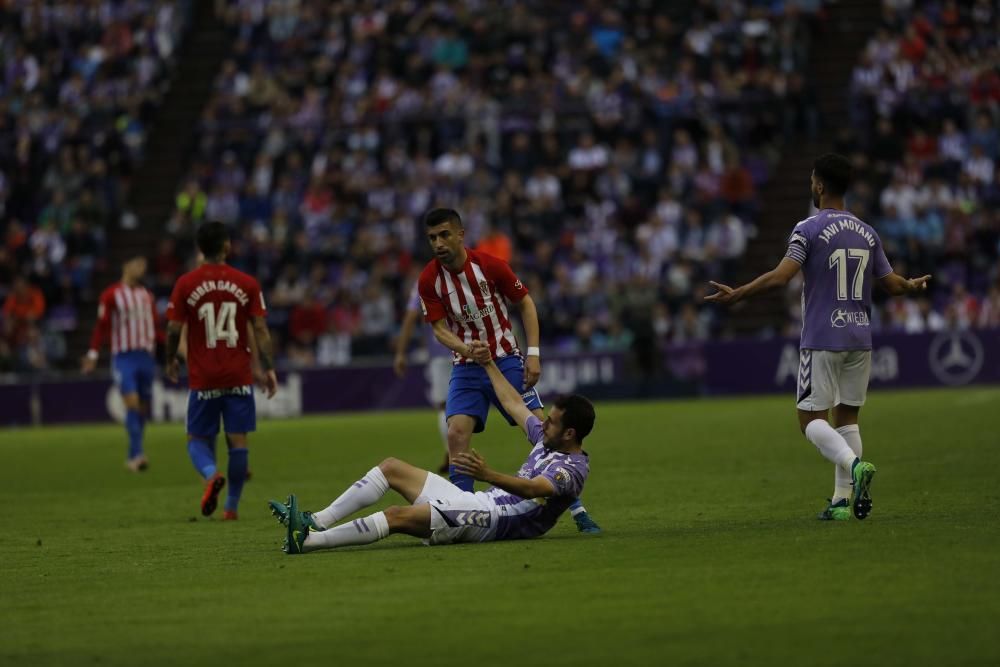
(519, 518)
(841, 257)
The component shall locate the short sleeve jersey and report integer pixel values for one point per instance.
(473, 300)
(216, 301)
(520, 518)
(841, 257)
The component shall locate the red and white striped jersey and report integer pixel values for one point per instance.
(126, 315)
(474, 300)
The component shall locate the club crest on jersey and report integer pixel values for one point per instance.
(484, 287)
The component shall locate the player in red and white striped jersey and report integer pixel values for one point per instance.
(464, 295)
(126, 317)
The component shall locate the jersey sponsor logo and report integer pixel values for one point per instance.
(471, 314)
(840, 318)
(208, 394)
(956, 357)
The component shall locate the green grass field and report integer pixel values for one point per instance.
(711, 555)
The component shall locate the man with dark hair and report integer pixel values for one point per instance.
(217, 302)
(463, 296)
(126, 317)
(841, 257)
(514, 507)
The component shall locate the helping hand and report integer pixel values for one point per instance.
(480, 353)
(471, 463)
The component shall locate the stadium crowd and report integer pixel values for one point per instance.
(78, 81)
(925, 98)
(612, 154)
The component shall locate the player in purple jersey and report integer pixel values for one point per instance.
(840, 257)
(524, 506)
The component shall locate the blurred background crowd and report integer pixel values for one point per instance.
(79, 82)
(924, 101)
(614, 154)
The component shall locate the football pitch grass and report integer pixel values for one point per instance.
(711, 554)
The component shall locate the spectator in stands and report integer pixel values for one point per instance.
(335, 129)
(22, 310)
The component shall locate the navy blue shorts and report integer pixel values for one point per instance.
(133, 373)
(235, 407)
(471, 393)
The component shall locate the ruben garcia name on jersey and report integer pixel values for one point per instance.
(217, 286)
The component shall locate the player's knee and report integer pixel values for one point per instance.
(458, 437)
(389, 466)
(131, 401)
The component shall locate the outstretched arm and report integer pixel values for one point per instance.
(509, 397)
(779, 276)
(471, 463)
(897, 285)
(447, 337)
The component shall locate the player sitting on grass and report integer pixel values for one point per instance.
(527, 505)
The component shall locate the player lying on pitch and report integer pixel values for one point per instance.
(524, 506)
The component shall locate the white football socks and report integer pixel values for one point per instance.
(842, 478)
(371, 528)
(364, 492)
(830, 444)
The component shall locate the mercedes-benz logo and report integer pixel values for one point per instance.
(956, 357)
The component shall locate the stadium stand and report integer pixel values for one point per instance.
(78, 86)
(615, 155)
(924, 100)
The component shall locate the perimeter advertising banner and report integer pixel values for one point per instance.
(310, 391)
(735, 367)
(947, 359)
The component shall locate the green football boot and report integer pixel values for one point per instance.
(862, 472)
(298, 529)
(836, 511)
(280, 512)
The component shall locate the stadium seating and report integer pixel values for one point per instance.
(924, 97)
(616, 154)
(77, 89)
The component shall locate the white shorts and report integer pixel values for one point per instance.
(828, 378)
(438, 373)
(457, 515)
